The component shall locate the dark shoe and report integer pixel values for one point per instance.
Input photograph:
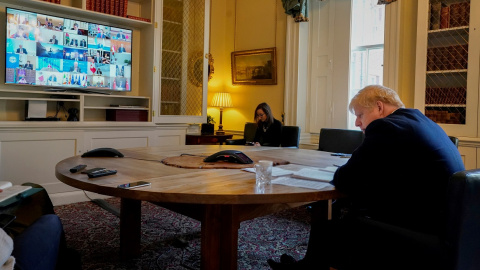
(287, 259)
(287, 262)
(278, 265)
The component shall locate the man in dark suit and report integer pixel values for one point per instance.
(28, 65)
(121, 36)
(76, 30)
(98, 59)
(74, 42)
(53, 40)
(83, 43)
(121, 49)
(21, 50)
(75, 68)
(397, 176)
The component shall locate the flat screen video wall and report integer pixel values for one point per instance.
(52, 51)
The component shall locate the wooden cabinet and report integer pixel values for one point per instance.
(169, 68)
(168, 81)
(182, 77)
(447, 70)
(206, 139)
(448, 45)
(89, 107)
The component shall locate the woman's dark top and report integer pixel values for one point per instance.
(269, 135)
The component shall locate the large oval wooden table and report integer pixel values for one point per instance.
(219, 198)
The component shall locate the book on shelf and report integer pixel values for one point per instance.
(125, 4)
(127, 106)
(120, 10)
(117, 7)
(9, 190)
(107, 6)
(97, 5)
(445, 17)
(138, 18)
(435, 9)
(112, 7)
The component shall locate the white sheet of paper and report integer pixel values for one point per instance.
(276, 171)
(314, 174)
(293, 182)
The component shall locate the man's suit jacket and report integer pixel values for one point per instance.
(28, 66)
(23, 50)
(121, 50)
(54, 41)
(399, 173)
(72, 69)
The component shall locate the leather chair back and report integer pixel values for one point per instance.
(248, 135)
(339, 140)
(249, 131)
(290, 136)
(463, 222)
(388, 246)
(454, 140)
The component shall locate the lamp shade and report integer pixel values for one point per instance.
(222, 100)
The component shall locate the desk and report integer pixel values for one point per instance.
(219, 198)
(206, 139)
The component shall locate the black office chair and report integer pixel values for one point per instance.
(248, 135)
(339, 140)
(454, 140)
(290, 136)
(388, 246)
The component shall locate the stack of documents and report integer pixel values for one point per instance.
(314, 178)
(312, 174)
(9, 190)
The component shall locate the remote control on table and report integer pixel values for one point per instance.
(101, 173)
(77, 168)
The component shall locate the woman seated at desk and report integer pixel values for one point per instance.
(269, 129)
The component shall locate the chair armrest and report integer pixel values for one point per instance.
(235, 142)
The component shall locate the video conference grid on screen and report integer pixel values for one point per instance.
(52, 51)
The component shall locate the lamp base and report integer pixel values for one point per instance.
(220, 132)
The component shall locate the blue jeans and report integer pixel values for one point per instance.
(37, 247)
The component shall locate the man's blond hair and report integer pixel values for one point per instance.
(369, 95)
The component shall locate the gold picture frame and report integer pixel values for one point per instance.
(254, 67)
(195, 68)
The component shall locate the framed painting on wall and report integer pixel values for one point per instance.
(257, 67)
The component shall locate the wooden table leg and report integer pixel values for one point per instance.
(219, 238)
(130, 230)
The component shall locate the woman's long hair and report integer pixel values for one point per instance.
(268, 112)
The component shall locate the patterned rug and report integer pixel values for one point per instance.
(94, 232)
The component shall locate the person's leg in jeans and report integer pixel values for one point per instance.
(37, 247)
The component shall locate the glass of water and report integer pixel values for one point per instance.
(263, 172)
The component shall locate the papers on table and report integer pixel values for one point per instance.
(12, 191)
(312, 174)
(275, 171)
(293, 182)
(314, 178)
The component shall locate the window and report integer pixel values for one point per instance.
(366, 49)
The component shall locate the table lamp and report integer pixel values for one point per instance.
(221, 100)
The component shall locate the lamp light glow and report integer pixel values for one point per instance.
(221, 100)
